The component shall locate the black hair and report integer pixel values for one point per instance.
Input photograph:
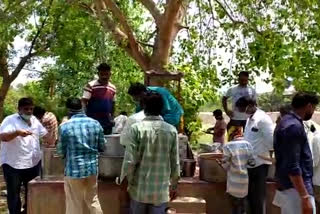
(74, 104)
(302, 99)
(243, 102)
(38, 111)
(152, 103)
(104, 67)
(124, 113)
(285, 109)
(25, 101)
(136, 89)
(244, 73)
(217, 112)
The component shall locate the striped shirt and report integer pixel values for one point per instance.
(100, 101)
(49, 121)
(237, 155)
(151, 160)
(80, 140)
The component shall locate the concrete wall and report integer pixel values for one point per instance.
(207, 118)
(47, 196)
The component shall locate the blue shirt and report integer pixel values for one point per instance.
(172, 110)
(80, 140)
(293, 154)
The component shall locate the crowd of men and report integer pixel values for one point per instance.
(151, 169)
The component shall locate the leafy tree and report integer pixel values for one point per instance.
(15, 22)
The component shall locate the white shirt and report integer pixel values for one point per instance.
(137, 117)
(21, 152)
(259, 133)
(120, 122)
(315, 148)
(236, 93)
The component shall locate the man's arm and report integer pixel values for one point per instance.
(267, 128)
(130, 157)
(175, 162)
(226, 160)
(6, 137)
(225, 103)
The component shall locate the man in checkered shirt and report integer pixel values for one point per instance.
(80, 140)
(151, 162)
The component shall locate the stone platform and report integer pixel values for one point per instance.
(47, 196)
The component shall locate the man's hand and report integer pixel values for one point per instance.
(229, 113)
(173, 194)
(306, 206)
(23, 133)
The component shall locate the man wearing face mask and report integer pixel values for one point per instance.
(294, 159)
(20, 152)
(259, 133)
(98, 98)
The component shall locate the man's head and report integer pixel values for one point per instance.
(153, 104)
(305, 104)
(243, 78)
(74, 106)
(25, 108)
(104, 73)
(247, 105)
(39, 112)
(217, 114)
(137, 91)
(124, 113)
(285, 109)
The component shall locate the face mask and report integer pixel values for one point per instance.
(26, 117)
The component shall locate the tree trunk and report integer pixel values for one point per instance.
(3, 93)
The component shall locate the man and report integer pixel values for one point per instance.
(294, 159)
(171, 110)
(80, 140)
(151, 161)
(237, 155)
(238, 118)
(20, 152)
(99, 98)
(219, 128)
(259, 133)
(49, 121)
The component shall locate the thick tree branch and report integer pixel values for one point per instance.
(152, 7)
(4, 72)
(167, 32)
(120, 37)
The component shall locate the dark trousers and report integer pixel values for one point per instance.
(257, 189)
(238, 205)
(14, 178)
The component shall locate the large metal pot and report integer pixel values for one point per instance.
(113, 146)
(210, 170)
(52, 164)
(110, 166)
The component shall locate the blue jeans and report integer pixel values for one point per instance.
(143, 208)
(289, 201)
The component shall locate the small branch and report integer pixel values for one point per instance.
(152, 7)
(146, 44)
(228, 14)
